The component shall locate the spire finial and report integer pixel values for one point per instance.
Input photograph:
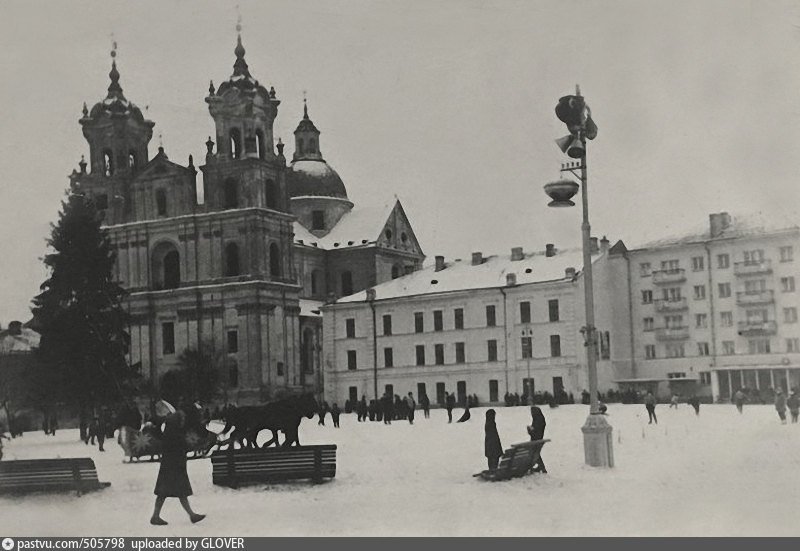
(240, 66)
(85, 110)
(305, 106)
(114, 89)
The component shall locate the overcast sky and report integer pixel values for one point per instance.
(447, 104)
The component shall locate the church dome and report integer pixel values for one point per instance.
(115, 103)
(315, 178)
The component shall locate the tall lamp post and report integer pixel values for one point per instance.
(573, 111)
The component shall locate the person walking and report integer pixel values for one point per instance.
(492, 448)
(173, 480)
(793, 403)
(650, 405)
(323, 410)
(388, 409)
(335, 412)
(536, 432)
(694, 401)
(780, 405)
(425, 402)
(412, 406)
(739, 399)
(450, 403)
(673, 402)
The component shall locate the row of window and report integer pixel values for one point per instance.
(756, 315)
(751, 258)
(751, 287)
(754, 346)
(458, 318)
(460, 354)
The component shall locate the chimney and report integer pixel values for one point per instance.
(549, 250)
(370, 295)
(604, 245)
(569, 273)
(15, 328)
(439, 264)
(511, 279)
(477, 258)
(718, 223)
(517, 254)
(594, 248)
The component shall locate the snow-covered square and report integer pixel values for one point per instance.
(716, 474)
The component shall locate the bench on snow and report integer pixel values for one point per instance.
(38, 475)
(234, 467)
(516, 461)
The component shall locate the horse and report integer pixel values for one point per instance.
(282, 415)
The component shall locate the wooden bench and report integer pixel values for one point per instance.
(39, 475)
(516, 461)
(234, 467)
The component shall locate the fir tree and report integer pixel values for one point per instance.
(79, 314)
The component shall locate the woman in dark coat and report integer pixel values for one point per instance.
(173, 481)
(536, 431)
(493, 449)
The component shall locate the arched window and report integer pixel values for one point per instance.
(108, 163)
(231, 192)
(347, 283)
(236, 143)
(274, 260)
(172, 270)
(270, 195)
(312, 145)
(166, 266)
(233, 372)
(395, 271)
(300, 146)
(316, 281)
(132, 160)
(161, 202)
(260, 144)
(232, 267)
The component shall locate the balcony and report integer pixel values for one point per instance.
(664, 305)
(757, 327)
(752, 268)
(672, 333)
(757, 297)
(664, 277)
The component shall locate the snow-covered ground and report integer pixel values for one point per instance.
(719, 474)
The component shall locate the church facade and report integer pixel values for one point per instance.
(242, 274)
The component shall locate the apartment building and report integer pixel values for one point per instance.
(716, 310)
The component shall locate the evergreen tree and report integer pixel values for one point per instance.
(79, 313)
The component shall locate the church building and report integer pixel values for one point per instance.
(243, 273)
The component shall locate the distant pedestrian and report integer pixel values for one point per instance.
(650, 405)
(673, 402)
(450, 403)
(536, 432)
(411, 406)
(388, 409)
(492, 447)
(173, 480)
(335, 412)
(323, 410)
(739, 398)
(780, 405)
(425, 402)
(694, 401)
(793, 403)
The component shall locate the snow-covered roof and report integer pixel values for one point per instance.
(310, 308)
(461, 275)
(25, 341)
(741, 225)
(358, 227)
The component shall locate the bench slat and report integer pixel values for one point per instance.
(74, 473)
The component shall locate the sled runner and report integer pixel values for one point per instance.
(516, 461)
(234, 467)
(40, 475)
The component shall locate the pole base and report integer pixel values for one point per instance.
(598, 448)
